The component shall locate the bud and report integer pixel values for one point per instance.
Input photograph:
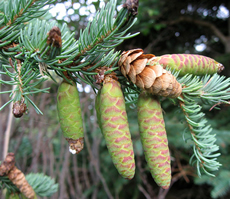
(54, 37)
(19, 108)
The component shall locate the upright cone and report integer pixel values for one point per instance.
(154, 139)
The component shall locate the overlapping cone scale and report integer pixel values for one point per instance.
(70, 118)
(18, 179)
(97, 107)
(142, 70)
(190, 63)
(115, 128)
(154, 139)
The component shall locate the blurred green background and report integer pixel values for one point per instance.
(166, 27)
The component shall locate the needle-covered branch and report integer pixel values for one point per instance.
(32, 49)
(42, 46)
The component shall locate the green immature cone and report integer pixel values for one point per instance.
(115, 128)
(188, 63)
(12, 195)
(69, 112)
(97, 107)
(154, 139)
(16, 196)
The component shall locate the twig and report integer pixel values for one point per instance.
(144, 178)
(147, 196)
(71, 187)
(8, 129)
(63, 174)
(76, 176)
(97, 169)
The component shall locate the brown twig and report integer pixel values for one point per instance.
(65, 166)
(95, 164)
(78, 186)
(8, 129)
(147, 196)
(144, 178)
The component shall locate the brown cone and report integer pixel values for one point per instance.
(147, 75)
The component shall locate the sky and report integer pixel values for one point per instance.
(60, 12)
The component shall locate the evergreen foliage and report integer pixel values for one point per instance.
(42, 185)
(6, 183)
(27, 58)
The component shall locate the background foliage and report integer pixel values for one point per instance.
(201, 27)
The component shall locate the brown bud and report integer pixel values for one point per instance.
(19, 108)
(54, 37)
(132, 6)
(100, 76)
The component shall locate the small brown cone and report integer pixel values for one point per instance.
(8, 168)
(19, 108)
(141, 70)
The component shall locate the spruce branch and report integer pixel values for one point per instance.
(211, 90)
(43, 185)
(23, 76)
(96, 43)
(18, 11)
(95, 46)
(13, 15)
(205, 151)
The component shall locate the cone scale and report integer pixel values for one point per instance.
(147, 74)
(115, 128)
(189, 63)
(154, 139)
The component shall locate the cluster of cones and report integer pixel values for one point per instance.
(112, 119)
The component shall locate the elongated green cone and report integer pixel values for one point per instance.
(12, 196)
(115, 128)
(188, 63)
(154, 139)
(16, 196)
(69, 112)
(97, 107)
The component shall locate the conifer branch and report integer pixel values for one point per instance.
(13, 15)
(23, 76)
(211, 90)
(204, 148)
